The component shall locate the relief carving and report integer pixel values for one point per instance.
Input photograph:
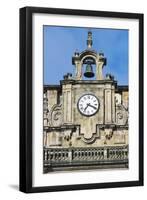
(121, 115)
(108, 135)
(56, 115)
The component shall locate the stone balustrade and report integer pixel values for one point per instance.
(83, 156)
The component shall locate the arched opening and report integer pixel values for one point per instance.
(88, 68)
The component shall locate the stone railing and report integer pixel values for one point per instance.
(61, 157)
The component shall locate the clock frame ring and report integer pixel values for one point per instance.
(92, 113)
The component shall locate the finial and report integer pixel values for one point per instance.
(89, 40)
(76, 53)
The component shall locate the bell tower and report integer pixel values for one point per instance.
(85, 120)
(89, 57)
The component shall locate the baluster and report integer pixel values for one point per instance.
(45, 155)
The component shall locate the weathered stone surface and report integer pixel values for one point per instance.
(96, 130)
(66, 129)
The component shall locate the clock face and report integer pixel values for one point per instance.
(88, 104)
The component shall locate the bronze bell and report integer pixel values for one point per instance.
(89, 71)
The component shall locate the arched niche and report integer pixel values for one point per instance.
(88, 59)
(80, 58)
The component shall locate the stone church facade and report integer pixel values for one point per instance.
(85, 117)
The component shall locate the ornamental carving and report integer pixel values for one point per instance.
(121, 115)
(56, 115)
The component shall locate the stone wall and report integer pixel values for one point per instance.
(66, 126)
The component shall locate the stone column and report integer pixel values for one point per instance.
(44, 138)
(125, 98)
(78, 71)
(67, 103)
(52, 96)
(108, 106)
(99, 67)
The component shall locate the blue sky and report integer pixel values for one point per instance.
(60, 43)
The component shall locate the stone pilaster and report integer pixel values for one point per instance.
(99, 66)
(108, 105)
(67, 103)
(78, 70)
(113, 104)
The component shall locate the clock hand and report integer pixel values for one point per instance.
(92, 106)
(86, 107)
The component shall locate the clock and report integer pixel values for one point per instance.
(88, 104)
